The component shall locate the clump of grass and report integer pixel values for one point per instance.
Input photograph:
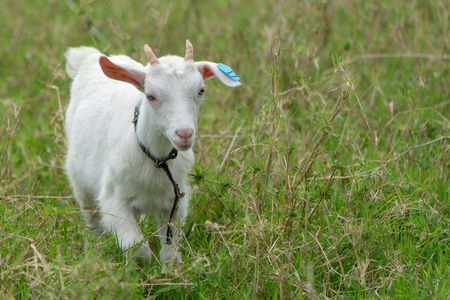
(323, 176)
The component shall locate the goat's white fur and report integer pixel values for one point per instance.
(106, 167)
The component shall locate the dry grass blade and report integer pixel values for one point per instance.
(8, 142)
(230, 147)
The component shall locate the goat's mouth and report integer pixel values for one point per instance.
(183, 146)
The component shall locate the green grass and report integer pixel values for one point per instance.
(324, 176)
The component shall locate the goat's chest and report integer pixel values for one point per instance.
(148, 189)
(152, 198)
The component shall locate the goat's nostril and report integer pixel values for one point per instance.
(184, 133)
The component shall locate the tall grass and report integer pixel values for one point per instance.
(324, 176)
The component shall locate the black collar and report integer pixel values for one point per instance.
(159, 162)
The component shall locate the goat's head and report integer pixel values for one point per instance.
(173, 87)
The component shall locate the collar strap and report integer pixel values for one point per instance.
(159, 162)
(162, 163)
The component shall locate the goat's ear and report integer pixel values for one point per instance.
(224, 73)
(130, 75)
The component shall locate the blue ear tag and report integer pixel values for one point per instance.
(227, 71)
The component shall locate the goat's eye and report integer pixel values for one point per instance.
(151, 98)
(201, 92)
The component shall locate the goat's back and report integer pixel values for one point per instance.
(98, 119)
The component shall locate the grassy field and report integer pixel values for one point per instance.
(324, 176)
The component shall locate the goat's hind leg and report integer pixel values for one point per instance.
(89, 208)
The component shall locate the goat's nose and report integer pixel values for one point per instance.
(184, 133)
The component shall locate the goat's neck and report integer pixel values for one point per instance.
(149, 134)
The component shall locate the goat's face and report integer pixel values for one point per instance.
(174, 89)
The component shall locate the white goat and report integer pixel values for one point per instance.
(113, 180)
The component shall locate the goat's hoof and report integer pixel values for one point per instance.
(142, 256)
(169, 255)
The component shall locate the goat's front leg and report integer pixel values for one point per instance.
(169, 249)
(118, 218)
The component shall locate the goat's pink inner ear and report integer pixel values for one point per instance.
(116, 72)
(207, 72)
